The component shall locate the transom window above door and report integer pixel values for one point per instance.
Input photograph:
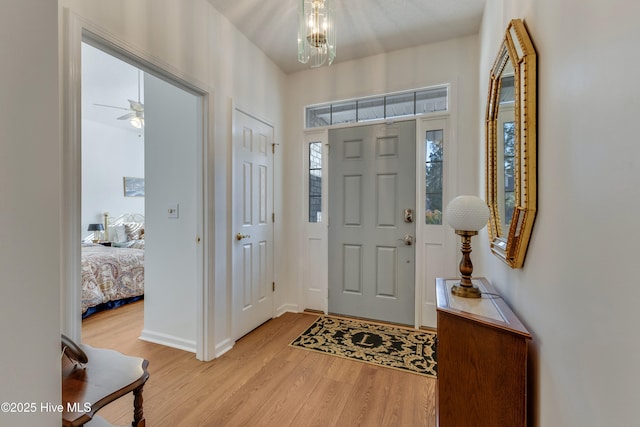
(388, 106)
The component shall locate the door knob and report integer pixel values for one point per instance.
(408, 239)
(241, 236)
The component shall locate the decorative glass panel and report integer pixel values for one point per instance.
(433, 163)
(318, 116)
(388, 106)
(400, 105)
(507, 94)
(370, 109)
(432, 100)
(343, 112)
(315, 182)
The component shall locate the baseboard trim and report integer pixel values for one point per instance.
(168, 340)
(223, 347)
(287, 308)
(429, 317)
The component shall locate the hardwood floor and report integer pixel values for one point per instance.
(261, 381)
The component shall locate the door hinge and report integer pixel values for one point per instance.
(273, 286)
(273, 148)
(273, 217)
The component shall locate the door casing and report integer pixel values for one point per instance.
(77, 29)
(436, 254)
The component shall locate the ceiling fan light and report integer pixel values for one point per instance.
(136, 122)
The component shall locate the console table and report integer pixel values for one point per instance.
(107, 376)
(482, 359)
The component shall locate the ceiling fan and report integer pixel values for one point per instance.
(135, 113)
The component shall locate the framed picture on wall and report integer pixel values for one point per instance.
(133, 187)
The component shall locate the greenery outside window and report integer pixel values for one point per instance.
(434, 174)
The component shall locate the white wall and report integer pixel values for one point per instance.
(578, 293)
(192, 40)
(172, 133)
(453, 61)
(108, 155)
(30, 190)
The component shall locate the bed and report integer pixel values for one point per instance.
(113, 270)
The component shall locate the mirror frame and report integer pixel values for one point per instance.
(517, 48)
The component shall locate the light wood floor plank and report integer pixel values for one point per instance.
(261, 381)
(325, 406)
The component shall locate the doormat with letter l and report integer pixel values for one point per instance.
(405, 349)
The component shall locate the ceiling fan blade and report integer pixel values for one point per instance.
(136, 106)
(127, 116)
(112, 106)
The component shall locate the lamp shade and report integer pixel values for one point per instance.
(95, 227)
(467, 213)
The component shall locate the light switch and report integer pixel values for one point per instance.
(172, 211)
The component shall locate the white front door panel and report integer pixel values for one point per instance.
(371, 244)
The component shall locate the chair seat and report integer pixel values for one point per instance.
(107, 376)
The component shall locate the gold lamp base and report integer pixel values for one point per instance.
(465, 288)
(465, 291)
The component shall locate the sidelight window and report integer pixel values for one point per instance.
(315, 182)
(433, 178)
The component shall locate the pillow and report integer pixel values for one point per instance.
(137, 244)
(134, 230)
(132, 244)
(117, 233)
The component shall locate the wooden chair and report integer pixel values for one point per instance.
(95, 377)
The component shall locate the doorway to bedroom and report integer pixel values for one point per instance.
(113, 178)
(142, 182)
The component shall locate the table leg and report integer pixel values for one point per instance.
(138, 417)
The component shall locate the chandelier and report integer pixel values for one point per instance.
(316, 32)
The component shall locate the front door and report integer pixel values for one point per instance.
(252, 223)
(372, 197)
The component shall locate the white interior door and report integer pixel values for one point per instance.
(173, 214)
(371, 238)
(252, 223)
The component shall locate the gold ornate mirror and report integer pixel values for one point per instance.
(511, 146)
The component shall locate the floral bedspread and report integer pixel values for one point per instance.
(110, 274)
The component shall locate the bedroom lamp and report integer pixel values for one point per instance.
(97, 229)
(466, 215)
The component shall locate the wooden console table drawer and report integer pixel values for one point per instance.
(482, 360)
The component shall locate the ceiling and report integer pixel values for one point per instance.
(363, 27)
(107, 80)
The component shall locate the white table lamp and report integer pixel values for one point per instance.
(466, 215)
